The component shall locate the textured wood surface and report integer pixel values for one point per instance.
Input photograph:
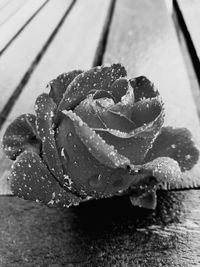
(190, 11)
(16, 61)
(73, 47)
(111, 232)
(13, 26)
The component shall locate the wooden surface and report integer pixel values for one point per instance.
(190, 11)
(108, 232)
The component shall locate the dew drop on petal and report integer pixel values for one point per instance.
(70, 135)
(76, 163)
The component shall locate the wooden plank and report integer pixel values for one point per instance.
(150, 48)
(27, 46)
(10, 29)
(9, 10)
(190, 11)
(73, 47)
(4, 3)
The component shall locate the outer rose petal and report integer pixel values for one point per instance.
(30, 179)
(45, 111)
(59, 85)
(20, 136)
(89, 176)
(143, 88)
(98, 78)
(176, 144)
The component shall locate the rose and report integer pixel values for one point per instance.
(97, 134)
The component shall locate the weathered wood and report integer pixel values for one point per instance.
(152, 50)
(111, 232)
(190, 12)
(74, 47)
(19, 20)
(16, 61)
(9, 10)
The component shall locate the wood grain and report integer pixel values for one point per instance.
(10, 10)
(16, 61)
(74, 47)
(190, 12)
(10, 29)
(152, 50)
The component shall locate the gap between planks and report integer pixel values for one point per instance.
(73, 47)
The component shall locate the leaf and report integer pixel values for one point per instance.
(59, 85)
(45, 107)
(143, 88)
(21, 136)
(31, 180)
(99, 78)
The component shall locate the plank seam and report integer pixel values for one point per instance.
(10, 103)
(188, 40)
(98, 59)
(23, 27)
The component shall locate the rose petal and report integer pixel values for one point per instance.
(134, 145)
(146, 199)
(119, 88)
(31, 180)
(145, 111)
(97, 115)
(59, 85)
(143, 88)
(99, 78)
(89, 176)
(87, 111)
(45, 111)
(20, 136)
(176, 144)
(104, 153)
(126, 103)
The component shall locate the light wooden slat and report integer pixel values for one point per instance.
(74, 47)
(9, 10)
(4, 3)
(143, 38)
(191, 15)
(154, 52)
(19, 19)
(16, 60)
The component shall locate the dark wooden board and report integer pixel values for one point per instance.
(111, 232)
(190, 12)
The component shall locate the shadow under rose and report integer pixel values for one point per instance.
(106, 232)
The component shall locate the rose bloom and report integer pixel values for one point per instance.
(97, 134)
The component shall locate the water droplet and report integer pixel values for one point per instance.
(76, 163)
(75, 147)
(95, 180)
(70, 135)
